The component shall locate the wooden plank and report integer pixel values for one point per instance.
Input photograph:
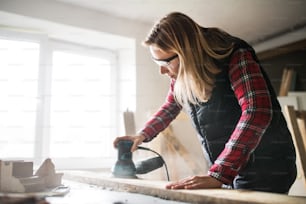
(297, 138)
(129, 123)
(301, 121)
(173, 163)
(157, 189)
(181, 150)
(282, 89)
(282, 50)
(288, 81)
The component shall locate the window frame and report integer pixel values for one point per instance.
(41, 39)
(42, 134)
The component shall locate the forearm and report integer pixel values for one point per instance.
(163, 117)
(159, 121)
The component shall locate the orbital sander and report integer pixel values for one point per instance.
(125, 167)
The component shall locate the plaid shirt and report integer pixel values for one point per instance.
(253, 96)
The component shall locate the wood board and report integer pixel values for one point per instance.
(157, 189)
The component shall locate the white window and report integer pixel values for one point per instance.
(62, 100)
(18, 97)
(81, 104)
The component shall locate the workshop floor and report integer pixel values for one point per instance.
(90, 194)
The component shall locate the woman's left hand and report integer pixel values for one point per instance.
(195, 182)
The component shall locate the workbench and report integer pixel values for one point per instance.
(156, 189)
(85, 187)
(82, 193)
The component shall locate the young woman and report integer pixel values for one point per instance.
(233, 107)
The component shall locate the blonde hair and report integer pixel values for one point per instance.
(197, 48)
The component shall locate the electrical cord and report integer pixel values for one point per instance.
(148, 149)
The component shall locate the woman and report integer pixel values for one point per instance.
(233, 107)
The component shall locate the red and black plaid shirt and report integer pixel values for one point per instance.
(253, 96)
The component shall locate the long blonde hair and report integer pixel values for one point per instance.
(197, 48)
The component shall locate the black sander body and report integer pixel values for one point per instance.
(125, 167)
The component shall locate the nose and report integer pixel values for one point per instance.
(163, 70)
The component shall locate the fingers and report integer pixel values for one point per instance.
(134, 147)
(193, 185)
(137, 140)
(180, 184)
(196, 182)
(119, 139)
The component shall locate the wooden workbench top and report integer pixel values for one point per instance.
(157, 189)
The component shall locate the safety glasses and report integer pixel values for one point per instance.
(164, 62)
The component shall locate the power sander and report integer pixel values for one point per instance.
(125, 167)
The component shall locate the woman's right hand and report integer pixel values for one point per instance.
(137, 140)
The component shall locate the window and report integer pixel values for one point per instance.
(81, 104)
(62, 100)
(18, 97)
